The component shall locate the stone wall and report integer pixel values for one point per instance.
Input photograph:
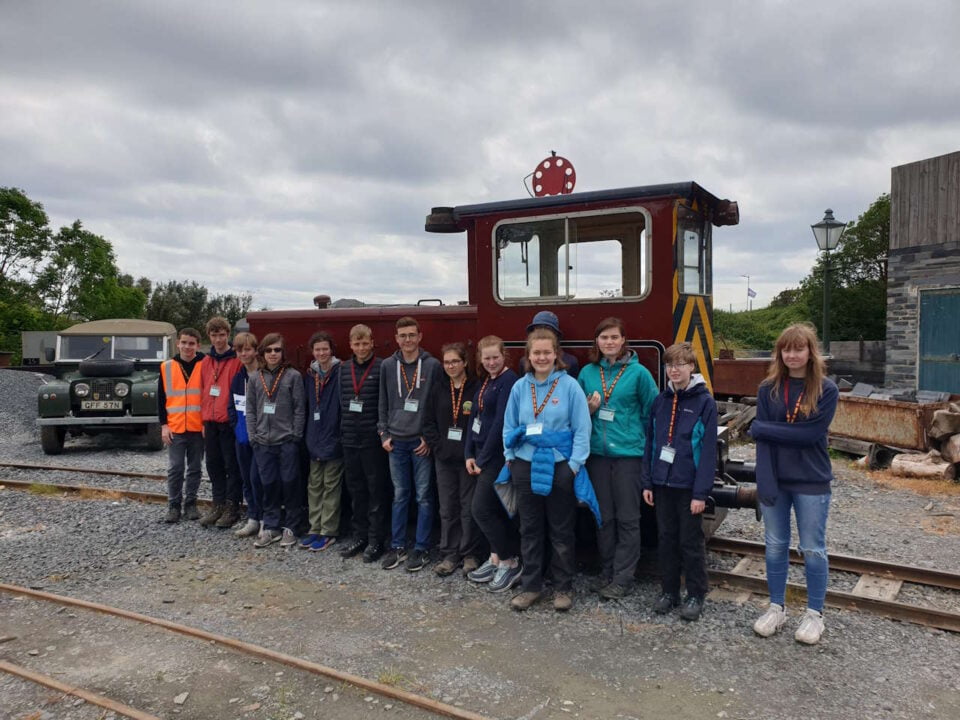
(910, 270)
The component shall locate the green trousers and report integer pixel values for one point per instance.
(323, 496)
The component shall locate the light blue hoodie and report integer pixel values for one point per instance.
(565, 410)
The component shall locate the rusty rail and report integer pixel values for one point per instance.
(97, 493)
(83, 471)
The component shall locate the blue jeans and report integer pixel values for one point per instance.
(250, 473)
(406, 470)
(811, 512)
(279, 467)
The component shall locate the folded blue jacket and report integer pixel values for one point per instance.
(542, 465)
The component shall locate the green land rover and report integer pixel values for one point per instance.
(105, 381)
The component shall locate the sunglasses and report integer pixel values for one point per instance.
(273, 350)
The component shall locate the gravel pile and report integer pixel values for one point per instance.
(460, 644)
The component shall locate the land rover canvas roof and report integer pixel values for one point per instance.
(121, 327)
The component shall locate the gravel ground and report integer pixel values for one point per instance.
(446, 639)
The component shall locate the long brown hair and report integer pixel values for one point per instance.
(610, 322)
(267, 342)
(798, 335)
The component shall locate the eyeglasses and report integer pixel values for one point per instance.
(453, 362)
(273, 350)
(677, 366)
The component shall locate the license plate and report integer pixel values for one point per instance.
(101, 404)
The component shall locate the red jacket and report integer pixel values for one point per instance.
(217, 371)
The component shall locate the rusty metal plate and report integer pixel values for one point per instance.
(738, 377)
(888, 422)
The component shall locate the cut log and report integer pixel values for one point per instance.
(950, 449)
(930, 466)
(945, 422)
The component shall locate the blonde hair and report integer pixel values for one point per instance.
(359, 331)
(245, 339)
(798, 335)
(542, 333)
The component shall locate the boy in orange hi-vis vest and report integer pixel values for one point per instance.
(179, 390)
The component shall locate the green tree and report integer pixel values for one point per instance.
(229, 306)
(182, 303)
(81, 280)
(24, 234)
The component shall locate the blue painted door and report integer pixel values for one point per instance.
(940, 340)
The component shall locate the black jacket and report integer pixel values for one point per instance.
(439, 419)
(359, 429)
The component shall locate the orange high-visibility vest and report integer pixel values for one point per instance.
(183, 397)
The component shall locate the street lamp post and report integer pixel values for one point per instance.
(749, 308)
(827, 233)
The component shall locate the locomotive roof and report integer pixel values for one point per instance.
(725, 211)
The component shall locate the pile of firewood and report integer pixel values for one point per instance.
(942, 462)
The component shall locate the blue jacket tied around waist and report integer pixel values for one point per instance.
(542, 465)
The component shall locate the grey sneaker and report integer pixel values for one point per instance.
(267, 537)
(811, 628)
(484, 573)
(505, 578)
(250, 528)
(771, 621)
(288, 539)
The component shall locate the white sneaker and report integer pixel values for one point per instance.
(771, 621)
(811, 628)
(289, 539)
(248, 529)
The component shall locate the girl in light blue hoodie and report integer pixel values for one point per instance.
(546, 431)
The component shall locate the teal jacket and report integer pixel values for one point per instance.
(631, 400)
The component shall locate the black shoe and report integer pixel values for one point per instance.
(665, 603)
(393, 558)
(190, 511)
(372, 553)
(353, 548)
(692, 607)
(416, 560)
(173, 514)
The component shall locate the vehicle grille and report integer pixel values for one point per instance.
(101, 390)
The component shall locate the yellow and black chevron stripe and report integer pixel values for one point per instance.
(692, 320)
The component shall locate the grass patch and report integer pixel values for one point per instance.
(41, 489)
(392, 677)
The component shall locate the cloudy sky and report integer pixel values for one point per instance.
(287, 148)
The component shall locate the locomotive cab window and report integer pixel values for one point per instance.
(576, 257)
(693, 247)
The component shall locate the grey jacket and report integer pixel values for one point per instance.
(395, 421)
(286, 423)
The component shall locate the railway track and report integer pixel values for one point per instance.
(876, 590)
(256, 651)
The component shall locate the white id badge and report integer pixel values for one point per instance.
(240, 403)
(356, 406)
(476, 425)
(455, 433)
(606, 414)
(316, 416)
(535, 429)
(269, 408)
(410, 405)
(215, 390)
(667, 454)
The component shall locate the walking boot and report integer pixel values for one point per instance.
(230, 516)
(173, 514)
(190, 511)
(212, 515)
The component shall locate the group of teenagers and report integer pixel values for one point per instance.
(507, 457)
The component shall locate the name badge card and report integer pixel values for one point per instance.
(667, 454)
(411, 405)
(476, 425)
(455, 433)
(356, 406)
(606, 414)
(316, 416)
(269, 408)
(535, 429)
(215, 390)
(240, 403)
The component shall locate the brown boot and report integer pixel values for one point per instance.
(524, 600)
(212, 515)
(230, 516)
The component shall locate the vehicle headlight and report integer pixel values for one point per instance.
(121, 389)
(81, 389)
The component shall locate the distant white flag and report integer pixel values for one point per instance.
(751, 293)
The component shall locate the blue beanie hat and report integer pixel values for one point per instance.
(546, 319)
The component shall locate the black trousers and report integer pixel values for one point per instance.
(459, 534)
(554, 515)
(367, 478)
(681, 544)
(219, 444)
(494, 523)
(616, 482)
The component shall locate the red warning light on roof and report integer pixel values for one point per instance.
(554, 176)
